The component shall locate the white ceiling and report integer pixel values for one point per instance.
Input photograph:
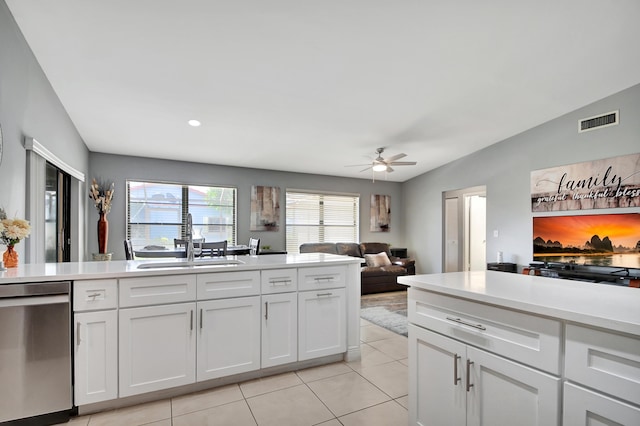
(313, 86)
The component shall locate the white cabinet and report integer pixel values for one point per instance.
(437, 393)
(279, 329)
(586, 407)
(228, 337)
(321, 323)
(95, 340)
(456, 384)
(605, 361)
(96, 356)
(504, 392)
(157, 347)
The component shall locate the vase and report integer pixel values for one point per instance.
(10, 257)
(103, 233)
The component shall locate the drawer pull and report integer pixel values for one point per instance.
(324, 294)
(469, 384)
(460, 321)
(456, 379)
(94, 295)
(327, 279)
(280, 282)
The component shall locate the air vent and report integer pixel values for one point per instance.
(598, 122)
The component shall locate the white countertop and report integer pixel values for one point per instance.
(42, 272)
(601, 305)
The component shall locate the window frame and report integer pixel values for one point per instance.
(185, 203)
(322, 226)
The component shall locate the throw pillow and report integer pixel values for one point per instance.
(380, 259)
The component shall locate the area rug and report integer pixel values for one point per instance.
(379, 315)
(388, 310)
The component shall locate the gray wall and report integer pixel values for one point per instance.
(29, 107)
(505, 170)
(120, 168)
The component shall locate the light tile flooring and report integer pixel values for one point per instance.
(371, 391)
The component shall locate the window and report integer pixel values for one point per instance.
(157, 213)
(321, 218)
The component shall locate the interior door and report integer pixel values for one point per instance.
(464, 229)
(57, 215)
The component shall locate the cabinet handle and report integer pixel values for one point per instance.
(94, 295)
(469, 384)
(279, 282)
(200, 318)
(266, 310)
(456, 379)
(78, 334)
(463, 322)
(191, 326)
(324, 294)
(328, 279)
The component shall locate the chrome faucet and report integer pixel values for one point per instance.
(189, 246)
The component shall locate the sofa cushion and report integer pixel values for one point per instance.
(372, 248)
(376, 271)
(348, 249)
(318, 248)
(377, 260)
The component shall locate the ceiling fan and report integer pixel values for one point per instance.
(380, 164)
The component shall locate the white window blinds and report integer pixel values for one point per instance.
(319, 218)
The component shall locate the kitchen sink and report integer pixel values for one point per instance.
(185, 264)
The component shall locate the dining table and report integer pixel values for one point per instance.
(159, 252)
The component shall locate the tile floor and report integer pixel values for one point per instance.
(372, 391)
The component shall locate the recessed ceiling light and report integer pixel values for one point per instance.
(194, 123)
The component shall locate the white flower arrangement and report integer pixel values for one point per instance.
(102, 194)
(13, 230)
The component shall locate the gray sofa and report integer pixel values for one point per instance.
(374, 279)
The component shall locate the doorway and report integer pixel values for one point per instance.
(57, 217)
(464, 229)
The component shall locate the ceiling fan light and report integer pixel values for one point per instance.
(379, 167)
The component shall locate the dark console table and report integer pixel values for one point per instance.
(503, 267)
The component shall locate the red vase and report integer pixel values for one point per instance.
(103, 233)
(10, 258)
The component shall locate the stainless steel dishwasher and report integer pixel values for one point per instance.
(35, 352)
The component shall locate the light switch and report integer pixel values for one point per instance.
(495, 233)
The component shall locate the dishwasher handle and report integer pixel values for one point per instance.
(33, 300)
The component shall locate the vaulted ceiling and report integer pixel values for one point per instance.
(314, 86)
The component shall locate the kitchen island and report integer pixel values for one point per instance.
(145, 330)
(488, 348)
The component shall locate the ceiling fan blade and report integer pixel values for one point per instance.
(389, 169)
(359, 165)
(364, 170)
(403, 163)
(394, 158)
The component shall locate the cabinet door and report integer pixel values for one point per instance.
(502, 392)
(96, 356)
(228, 337)
(321, 323)
(279, 329)
(157, 348)
(437, 393)
(585, 407)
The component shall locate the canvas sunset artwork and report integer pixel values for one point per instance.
(598, 240)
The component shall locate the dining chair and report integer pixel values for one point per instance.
(217, 248)
(128, 250)
(254, 246)
(180, 242)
